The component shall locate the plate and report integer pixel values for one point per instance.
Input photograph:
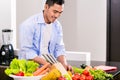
(26, 77)
(106, 68)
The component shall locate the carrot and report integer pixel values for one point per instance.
(41, 69)
(44, 71)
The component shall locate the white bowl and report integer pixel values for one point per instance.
(26, 77)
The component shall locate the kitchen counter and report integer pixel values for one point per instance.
(97, 63)
(3, 76)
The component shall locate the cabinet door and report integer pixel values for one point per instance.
(113, 30)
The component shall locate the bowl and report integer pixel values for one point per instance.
(26, 77)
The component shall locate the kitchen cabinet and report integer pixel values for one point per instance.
(113, 30)
(3, 76)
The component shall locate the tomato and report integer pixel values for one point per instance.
(76, 76)
(61, 78)
(20, 74)
(82, 77)
(89, 77)
(86, 72)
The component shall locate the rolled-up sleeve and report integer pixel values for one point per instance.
(59, 46)
(27, 48)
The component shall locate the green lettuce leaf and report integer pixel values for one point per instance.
(17, 65)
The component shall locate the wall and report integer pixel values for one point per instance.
(84, 24)
(26, 8)
(5, 16)
(91, 26)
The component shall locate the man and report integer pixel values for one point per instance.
(42, 33)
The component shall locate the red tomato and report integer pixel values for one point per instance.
(20, 74)
(86, 72)
(76, 76)
(61, 78)
(82, 77)
(89, 77)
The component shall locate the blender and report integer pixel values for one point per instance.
(6, 51)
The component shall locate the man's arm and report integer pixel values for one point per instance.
(40, 60)
(62, 59)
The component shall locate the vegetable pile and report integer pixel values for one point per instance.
(30, 68)
(21, 67)
(90, 73)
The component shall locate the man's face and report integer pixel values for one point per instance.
(52, 13)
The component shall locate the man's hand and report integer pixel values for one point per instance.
(63, 61)
(68, 67)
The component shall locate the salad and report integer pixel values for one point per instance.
(21, 67)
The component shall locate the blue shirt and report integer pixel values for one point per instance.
(30, 38)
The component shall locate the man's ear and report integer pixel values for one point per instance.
(46, 6)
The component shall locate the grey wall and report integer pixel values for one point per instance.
(84, 24)
(92, 27)
(5, 16)
(25, 9)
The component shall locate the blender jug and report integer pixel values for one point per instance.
(6, 52)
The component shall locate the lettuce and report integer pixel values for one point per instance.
(23, 65)
(31, 66)
(11, 71)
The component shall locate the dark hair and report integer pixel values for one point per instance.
(52, 2)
